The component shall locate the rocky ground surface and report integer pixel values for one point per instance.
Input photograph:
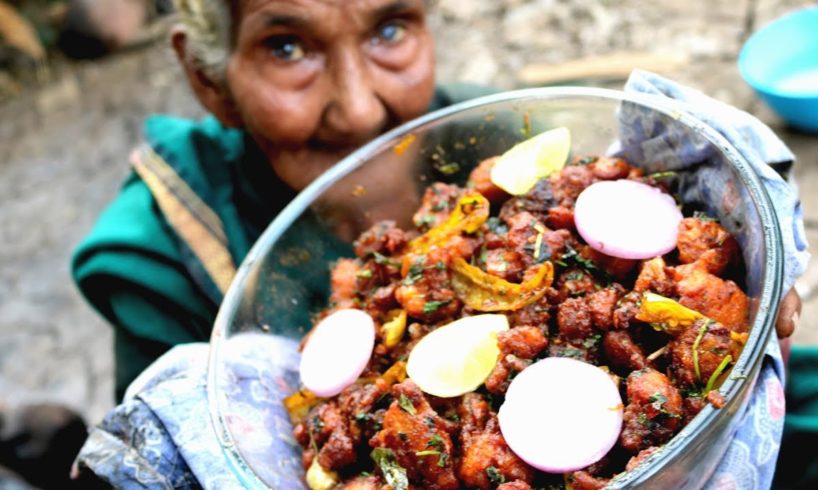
(63, 151)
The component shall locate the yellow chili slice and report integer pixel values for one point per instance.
(666, 314)
(471, 211)
(484, 292)
(299, 404)
(392, 329)
(395, 374)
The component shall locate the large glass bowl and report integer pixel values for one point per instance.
(285, 277)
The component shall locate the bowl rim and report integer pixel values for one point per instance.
(748, 364)
(745, 54)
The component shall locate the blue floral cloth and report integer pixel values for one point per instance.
(161, 436)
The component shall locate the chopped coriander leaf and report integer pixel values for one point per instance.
(393, 473)
(494, 475)
(406, 404)
(415, 271)
(432, 306)
(364, 273)
(440, 206)
(436, 441)
(657, 400)
(441, 460)
(426, 219)
(381, 259)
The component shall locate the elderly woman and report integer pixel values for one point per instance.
(292, 86)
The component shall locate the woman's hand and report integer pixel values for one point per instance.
(788, 314)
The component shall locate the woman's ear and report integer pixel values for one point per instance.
(212, 94)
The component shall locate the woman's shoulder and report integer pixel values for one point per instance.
(130, 225)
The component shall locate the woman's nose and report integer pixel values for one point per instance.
(355, 111)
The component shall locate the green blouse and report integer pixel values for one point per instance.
(133, 267)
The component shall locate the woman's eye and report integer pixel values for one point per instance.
(390, 33)
(285, 48)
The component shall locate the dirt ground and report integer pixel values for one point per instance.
(63, 152)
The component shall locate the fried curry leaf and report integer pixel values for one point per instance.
(485, 292)
(393, 473)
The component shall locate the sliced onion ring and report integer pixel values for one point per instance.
(561, 414)
(627, 219)
(337, 351)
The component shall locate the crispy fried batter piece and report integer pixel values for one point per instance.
(438, 201)
(514, 485)
(537, 201)
(706, 242)
(656, 277)
(517, 347)
(624, 354)
(383, 237)
(484, 450)
(716, 298)
(582, 480)
(411, 426)
(480, 180)
(426, 291)
(712, 344)
(602, 304)
(653, 412)
(370, 482)
(343, 283)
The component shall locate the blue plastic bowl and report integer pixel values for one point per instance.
(780, 62)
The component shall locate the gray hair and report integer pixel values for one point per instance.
(208, 27)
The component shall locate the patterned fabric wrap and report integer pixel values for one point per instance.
(162, 437)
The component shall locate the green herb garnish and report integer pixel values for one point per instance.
(432, 306)
(495, 477)
(436, 442)
(406, 404)
(441, 456)
(393, 473)
(696, 343)
(415, 271)
(657, 400)
(381, 259)
(713, 377)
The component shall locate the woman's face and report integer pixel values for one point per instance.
(311, 80)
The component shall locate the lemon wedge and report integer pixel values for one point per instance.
(457, 357)
(518, 169)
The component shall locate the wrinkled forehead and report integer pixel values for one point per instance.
(250, 13)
